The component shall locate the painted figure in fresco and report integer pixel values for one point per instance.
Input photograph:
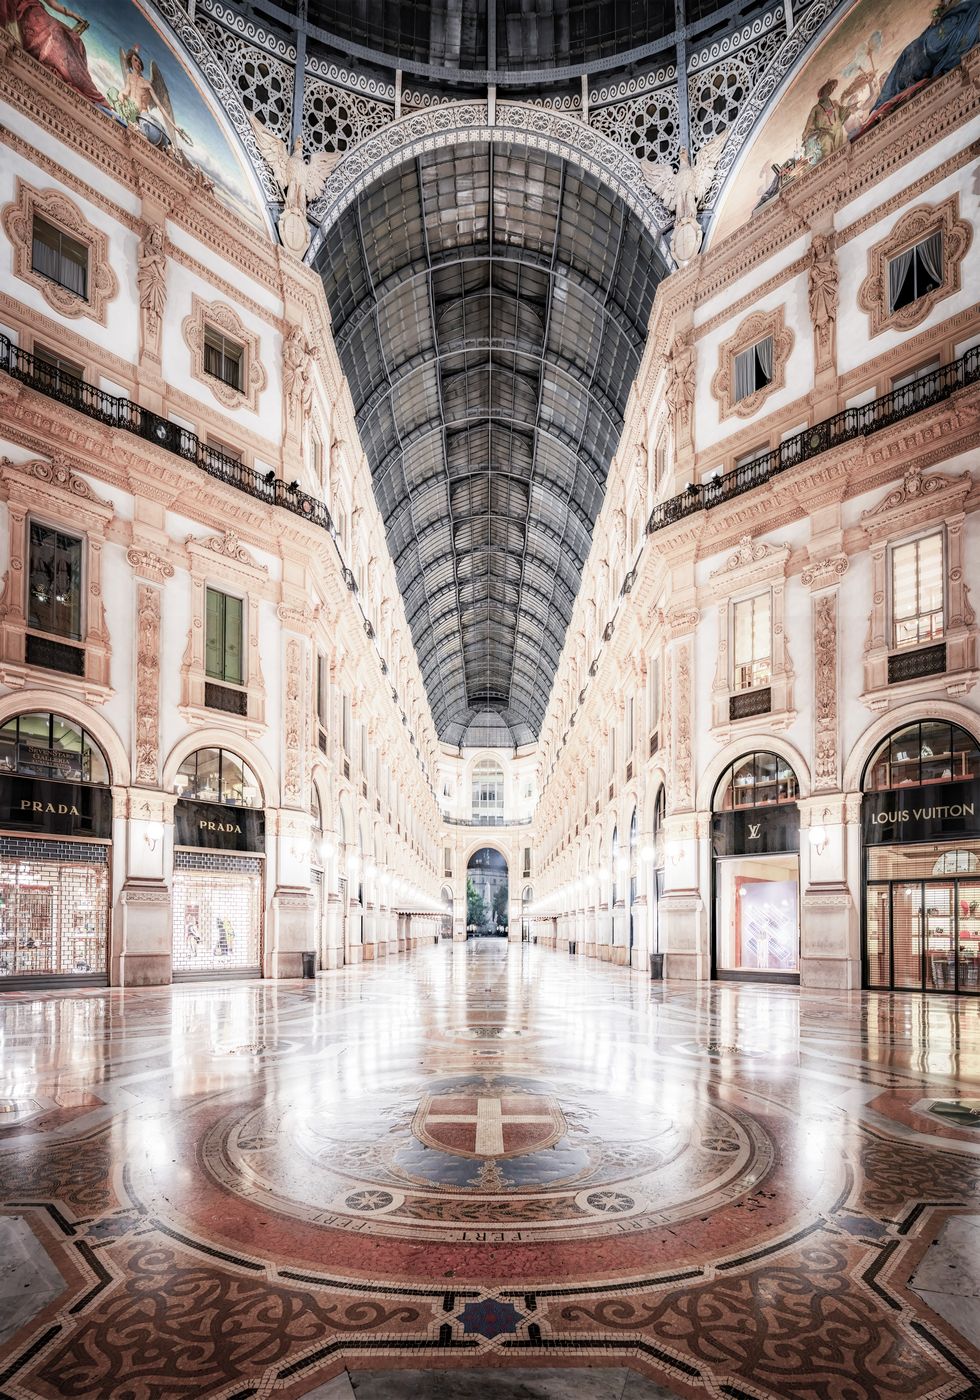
(56, 45)
(825, 131)
(954, 31)
(140, 95)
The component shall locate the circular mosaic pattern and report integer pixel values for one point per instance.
(488, 1151)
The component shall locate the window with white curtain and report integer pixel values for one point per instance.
(753, 368)
(917, 582)
(59, 257)
(916, 272)
(752, 641)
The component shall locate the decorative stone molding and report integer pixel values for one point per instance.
(229, 546)
(150, 566)
(916, 504)
(826, 737)
(913, 227)
(683, 765)
(823, 294)
(226, 319)
(824, 573)
(53, 491)
(147, 756)
(754, 567)
(18, 224)
(756, 326)
(293, 728)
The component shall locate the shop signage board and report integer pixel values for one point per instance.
(939, 811)
(756, 831)
(209, 826)
(39, 807)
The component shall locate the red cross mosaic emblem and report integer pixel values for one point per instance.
(488, 1125)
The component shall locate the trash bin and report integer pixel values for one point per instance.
(309, 965)
(656, 966)
(571, 945)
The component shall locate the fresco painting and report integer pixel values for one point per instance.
(879, 55)
(114, 54)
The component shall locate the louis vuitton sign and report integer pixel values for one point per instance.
(939, 810)
(756, 831)
(42, 808)
(209, 826)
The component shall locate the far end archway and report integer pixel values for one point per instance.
(487, 894)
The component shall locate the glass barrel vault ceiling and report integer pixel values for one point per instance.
(490, 306)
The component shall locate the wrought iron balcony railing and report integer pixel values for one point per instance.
(119, 412)
(850, 423)
(488, 821)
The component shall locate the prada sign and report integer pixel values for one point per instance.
(756, 831)
(209, 826)
(42, 808)
(939, 810)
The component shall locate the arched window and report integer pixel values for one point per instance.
(634, 835)
(43, 745)
(488, 791)
(614, 858)
(217, 775)
(759, 779)
(929, 751)
(317, 811)
(659, 816)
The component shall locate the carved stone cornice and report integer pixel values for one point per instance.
(915, 498)
(752, 560)
(149, 565)
(825, 573)
(57, 479)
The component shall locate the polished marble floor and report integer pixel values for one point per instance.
(487, 1157)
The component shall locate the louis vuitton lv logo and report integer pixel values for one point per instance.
(754, 829)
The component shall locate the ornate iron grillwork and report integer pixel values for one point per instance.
(222, 697)
(750, 702)
(924, 661)
(55, 656)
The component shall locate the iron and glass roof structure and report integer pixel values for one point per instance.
(489, 305)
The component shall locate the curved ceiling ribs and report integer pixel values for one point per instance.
(490, 306)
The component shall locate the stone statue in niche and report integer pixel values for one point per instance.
(681, 376)
(824, 297)
(301, 182)
(681, 192)
(151, 283)
(298, 358)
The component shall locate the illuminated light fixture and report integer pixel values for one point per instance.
(818, 839)
(648, 853)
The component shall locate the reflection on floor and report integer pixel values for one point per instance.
(486, 1157)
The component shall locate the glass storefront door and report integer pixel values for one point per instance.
(923, 917)
(758, 914)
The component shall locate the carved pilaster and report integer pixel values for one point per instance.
(826, 737)
(292, 783)
(148, 685)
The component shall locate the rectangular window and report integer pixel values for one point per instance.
(345, 726)
(917, 591)
(316, 455)
(447, 861)
(653, 684)
(49, 360)
(753, 368)
(629, 726)
(752, 642)
(223, 358)
(321, 689)
(527, 862)
(224, 632)
(225, 448)
(612, 753)
(59, 257)
(54, 601)
(916, 272)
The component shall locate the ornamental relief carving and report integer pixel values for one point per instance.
(824, 573)
(912, 228)
(683, 751)
(825, 716)
(148, 685)
(226, 319)
(292, 784)
(101, 283)
(755, 328)
(149, 565)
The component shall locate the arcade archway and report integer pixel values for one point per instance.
(487, 894)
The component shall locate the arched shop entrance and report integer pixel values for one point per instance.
(219, 845)
(921, 831)
(486, 894)
(755, 840)
(55, 844)
(446, 922)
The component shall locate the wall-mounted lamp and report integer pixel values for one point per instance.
(818, 839)
(152, 833)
